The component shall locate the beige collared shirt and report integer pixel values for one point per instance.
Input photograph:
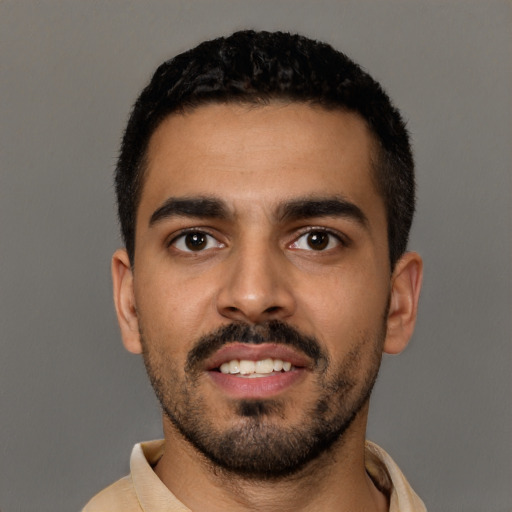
(143, 491)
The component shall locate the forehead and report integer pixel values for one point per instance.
(259, 155)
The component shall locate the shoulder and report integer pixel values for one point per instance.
(118, 497)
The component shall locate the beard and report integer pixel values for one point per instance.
(259, 443)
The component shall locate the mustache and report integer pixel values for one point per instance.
(274, 331)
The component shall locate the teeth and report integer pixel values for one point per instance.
(224, 368)
(234, 366)
(247, 367)
(255, 368)
(278, 365)
(265, 366)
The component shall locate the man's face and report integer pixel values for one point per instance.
(261, 243)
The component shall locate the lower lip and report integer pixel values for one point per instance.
(259, 387)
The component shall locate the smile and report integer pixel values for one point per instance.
(251, 369)
(247, 371)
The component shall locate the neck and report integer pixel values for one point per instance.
(335, 481)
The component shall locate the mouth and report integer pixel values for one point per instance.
(256, 371)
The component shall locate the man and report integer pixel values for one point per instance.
(265, 190)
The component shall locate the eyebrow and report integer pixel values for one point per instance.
(198, 207)
(307, 208)
(297, 209)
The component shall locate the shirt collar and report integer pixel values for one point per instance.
(154, 496)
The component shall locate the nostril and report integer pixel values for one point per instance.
(272, 309)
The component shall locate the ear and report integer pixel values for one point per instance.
(124, 300)
(403, 307)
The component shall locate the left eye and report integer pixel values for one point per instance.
(316, 241)
(195, 241)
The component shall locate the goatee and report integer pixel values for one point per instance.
(260, 443)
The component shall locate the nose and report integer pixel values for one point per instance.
(256, 286)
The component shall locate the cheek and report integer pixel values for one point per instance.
(171, 311)
(345, 302)
(348, 318)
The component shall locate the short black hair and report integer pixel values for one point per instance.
(258, 67)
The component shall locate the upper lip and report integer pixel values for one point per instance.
(258, 352)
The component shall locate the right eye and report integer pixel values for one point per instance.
(195, 241)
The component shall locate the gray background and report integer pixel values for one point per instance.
(72, 402)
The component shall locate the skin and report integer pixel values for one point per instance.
(259, 267)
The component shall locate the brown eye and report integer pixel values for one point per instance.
(318, 240)
(195, 241)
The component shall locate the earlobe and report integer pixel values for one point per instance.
(403, 307)
(124, 300)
